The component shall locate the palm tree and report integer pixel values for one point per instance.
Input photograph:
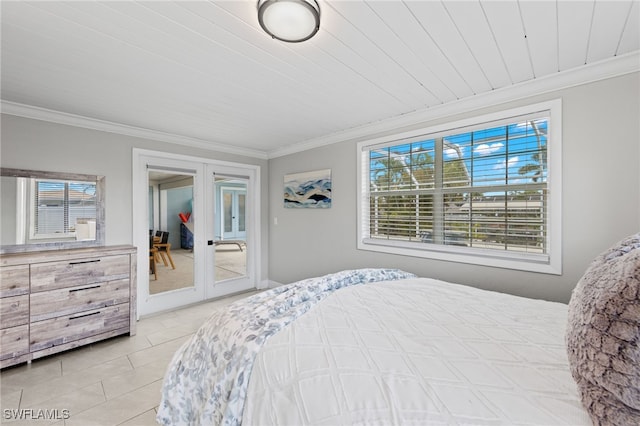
(391, 172)
(537, 166)
(539, 158)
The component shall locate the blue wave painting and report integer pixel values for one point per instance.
(308, 190)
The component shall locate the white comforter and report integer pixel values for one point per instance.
(417, 351)
(207, 380)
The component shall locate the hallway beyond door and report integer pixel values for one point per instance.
(230, 263)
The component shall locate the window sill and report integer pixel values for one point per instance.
(539, 263)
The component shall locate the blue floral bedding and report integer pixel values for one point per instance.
(207, 380)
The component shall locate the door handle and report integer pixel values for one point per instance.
(84, 288)
(84, 261)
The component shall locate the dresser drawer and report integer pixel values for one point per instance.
(53, 275)
(14, 341)
(14, 311)
(14, 280)
(61, 330)
(72, 300)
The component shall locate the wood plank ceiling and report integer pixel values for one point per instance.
(204, 70)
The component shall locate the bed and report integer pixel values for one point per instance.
(375, 346)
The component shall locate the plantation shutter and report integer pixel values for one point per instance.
(483, 187)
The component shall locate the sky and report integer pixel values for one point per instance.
(492, 156)
(88, 188)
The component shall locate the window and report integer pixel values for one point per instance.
(59, 206)
(483, 191)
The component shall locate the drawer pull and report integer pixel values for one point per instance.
(84, 288)
(84, 315)
(84, 261)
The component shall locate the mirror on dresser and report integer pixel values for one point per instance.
(50, 210)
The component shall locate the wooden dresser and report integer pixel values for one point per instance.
(51, 301)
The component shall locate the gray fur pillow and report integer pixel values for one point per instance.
(603, 335)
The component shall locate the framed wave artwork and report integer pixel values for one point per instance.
(308, 190)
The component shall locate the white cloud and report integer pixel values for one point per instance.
(513, 161)
(485, 149)
(452, 152)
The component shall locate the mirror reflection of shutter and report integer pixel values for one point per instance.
(49, 207)
(80, 203)
(61, 205)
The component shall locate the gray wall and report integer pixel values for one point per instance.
(601, 199)
(40, 145)
(601, 190)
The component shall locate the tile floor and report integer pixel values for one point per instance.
(114, 382)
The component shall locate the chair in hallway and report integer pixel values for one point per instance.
(239, 243)
(152, 258)
(164, 249)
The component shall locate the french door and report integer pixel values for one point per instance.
(178, 204)
(233, 217)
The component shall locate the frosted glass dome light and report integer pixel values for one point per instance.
(289, 20)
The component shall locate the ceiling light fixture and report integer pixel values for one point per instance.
(292, 21)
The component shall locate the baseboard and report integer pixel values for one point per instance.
(270, 284)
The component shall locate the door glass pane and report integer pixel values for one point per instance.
(231, 244)
(170, 232)
(241, 215)
(228, 208)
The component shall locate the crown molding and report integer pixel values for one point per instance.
(601, 70)
(43, 114)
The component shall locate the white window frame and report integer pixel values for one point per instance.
(551, 263)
